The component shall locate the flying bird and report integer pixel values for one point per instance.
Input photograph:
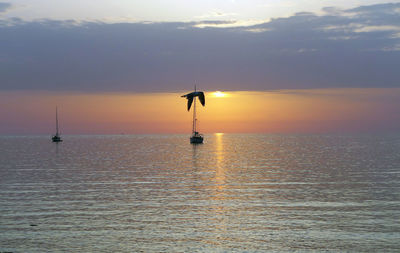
(191, 95)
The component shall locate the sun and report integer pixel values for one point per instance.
(219, 94)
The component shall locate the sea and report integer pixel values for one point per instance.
(233, 193)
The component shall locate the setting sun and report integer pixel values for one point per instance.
(219, 94)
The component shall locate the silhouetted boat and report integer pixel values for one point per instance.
(56, 137)
(196, 136)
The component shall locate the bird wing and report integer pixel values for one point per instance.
(190, 101)
(188, 95)
(202, 98)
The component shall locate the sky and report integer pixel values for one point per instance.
(172, 10)
(286, 66)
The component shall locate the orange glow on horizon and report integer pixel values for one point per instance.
(287, 111)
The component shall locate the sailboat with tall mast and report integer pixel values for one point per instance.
(56, 137)
(191, 97)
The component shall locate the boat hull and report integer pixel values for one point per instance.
(56, 139)
(196, 139)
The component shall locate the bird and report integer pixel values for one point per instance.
(191, 95)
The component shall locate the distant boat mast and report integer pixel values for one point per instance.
(57, 133)
(56, 137)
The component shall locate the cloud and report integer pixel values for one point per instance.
(332, 11)
(231, 24)
(392, 48)
(376, 10)
(342, 48)
(375, 28)
(4, 6)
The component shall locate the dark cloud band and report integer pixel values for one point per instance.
(344, 48)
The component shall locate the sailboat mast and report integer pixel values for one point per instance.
(194, 113)
(194, 116)
(56, 121)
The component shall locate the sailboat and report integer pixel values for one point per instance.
(56, 137)
(191, 97)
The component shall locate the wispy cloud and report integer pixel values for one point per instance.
(231, 24)
(257, 30)
(392, 48)
(378, 28)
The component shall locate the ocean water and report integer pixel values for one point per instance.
(234, 193)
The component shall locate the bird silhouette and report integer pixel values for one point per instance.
(191, 95)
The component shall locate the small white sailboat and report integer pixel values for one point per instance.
(191, 97)
(56, 137)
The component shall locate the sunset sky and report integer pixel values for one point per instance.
(120, 66)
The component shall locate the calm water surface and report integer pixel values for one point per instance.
(234, 193)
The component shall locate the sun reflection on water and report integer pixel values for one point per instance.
(220, 165)
(219, 190)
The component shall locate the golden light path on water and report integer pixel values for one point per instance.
(220, 173)
(219, 189)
